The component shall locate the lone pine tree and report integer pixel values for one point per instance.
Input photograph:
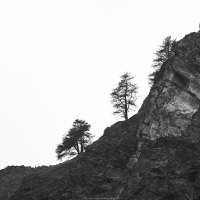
(75, 141)
(162, 55)
(124, 96)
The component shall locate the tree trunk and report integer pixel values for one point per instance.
(81, 144)
(126, 106)
(76, 147)
(126, 113)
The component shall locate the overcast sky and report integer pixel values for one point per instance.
(60, 60)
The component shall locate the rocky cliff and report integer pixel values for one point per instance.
(154, 155)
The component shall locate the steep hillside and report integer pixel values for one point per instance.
(11, 178)
(154, 155)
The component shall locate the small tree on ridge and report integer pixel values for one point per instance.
(75, 141)
(124, 96)
(162, 55)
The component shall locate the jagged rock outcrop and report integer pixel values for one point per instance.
(154, 155)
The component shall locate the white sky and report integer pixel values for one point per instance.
(60, 60)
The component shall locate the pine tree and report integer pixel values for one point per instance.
(162, 55)
(75, 141)
(124, 96)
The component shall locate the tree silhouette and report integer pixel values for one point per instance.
(75, 141)
(124, 96)
(162, 55)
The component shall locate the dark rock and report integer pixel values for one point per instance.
(11, 178)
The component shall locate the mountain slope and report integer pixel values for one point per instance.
(11, 178)
(154, 155)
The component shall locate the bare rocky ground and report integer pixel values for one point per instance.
(11, 178)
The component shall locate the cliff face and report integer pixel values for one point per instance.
(154, 155)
